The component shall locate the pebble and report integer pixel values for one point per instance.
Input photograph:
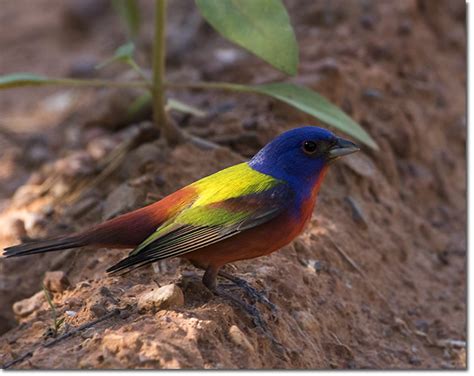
(73, 303)
(88, 333)
(357, 212)
(163, 298)
(371, 94)
(98, 310)
(81, 14)
(240, 339)
(122, 199)
(361, 165)
(367, 21)
(56, 281)
(27, 306)
(83, 207)
(77, 164)
(306, 321)
(83, 67)
(422, 325)
(99, 147)
(414, 360)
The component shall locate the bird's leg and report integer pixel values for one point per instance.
(210, 281)
(249, 290)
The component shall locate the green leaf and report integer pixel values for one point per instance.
(124, 54)
(260, 26)
(176, 105)
(316, 105)
(129, 11)
(22, 79)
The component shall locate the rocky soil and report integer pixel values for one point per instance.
(378, 279)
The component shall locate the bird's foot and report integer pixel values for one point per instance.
(253, 293)
(254, 313)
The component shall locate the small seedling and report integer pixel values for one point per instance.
(53, 330)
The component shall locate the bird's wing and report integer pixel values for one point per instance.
(220, 212)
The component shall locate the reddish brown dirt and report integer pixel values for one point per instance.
(379, 287)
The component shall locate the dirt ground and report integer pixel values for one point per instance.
(378, 279)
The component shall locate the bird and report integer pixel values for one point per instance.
(242, 212)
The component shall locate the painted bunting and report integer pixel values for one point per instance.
(245, 211)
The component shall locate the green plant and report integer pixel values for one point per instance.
(57, 322)
(263, 27)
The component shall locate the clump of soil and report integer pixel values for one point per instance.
(378, 279)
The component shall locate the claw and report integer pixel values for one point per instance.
(254, 313)
(253, 293)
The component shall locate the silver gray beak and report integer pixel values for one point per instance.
(341, 148)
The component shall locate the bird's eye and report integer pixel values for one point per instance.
(310, 147)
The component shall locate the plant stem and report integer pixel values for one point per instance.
(106, 83)
(159, 58)
(208, 85)
(81, 82)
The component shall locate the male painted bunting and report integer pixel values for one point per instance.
(245, 211)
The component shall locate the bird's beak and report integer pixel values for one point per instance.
(341, 148)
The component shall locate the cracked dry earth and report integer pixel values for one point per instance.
(377, 280)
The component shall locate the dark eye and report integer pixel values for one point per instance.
(310, 147)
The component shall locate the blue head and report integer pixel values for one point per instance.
(300, 155)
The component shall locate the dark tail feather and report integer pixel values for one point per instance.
(125, 231)
(43, 246)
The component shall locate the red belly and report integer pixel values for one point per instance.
(255, 242)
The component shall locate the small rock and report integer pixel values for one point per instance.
(17, 229)
(370, 94)
(81, 14)
(138, 159)
(83, 207)
(250, 124)
(37, 154)
(38, 326)
(357, 212)
(328, 66)
(163, 298)
(25, 307)
(405, 27)
(98, 310)
(123, 199)
(88, 333)
(422, 325)
(56, 281)
(159, 181)
(71, 313)
(83, 67)
(227, 55)
(76, 165)
(306, 321)
(361, 165)
(34, 222)
(240, 339)
(367, 21)
(121, 343)
(124, 314)
(47, 210)
(100, 147)
(73, 303)
(316, 266)
(414, 360)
